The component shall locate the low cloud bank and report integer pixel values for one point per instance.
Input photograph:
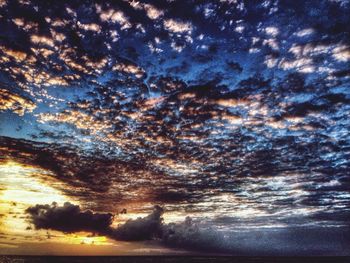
(146, 228)
(70, 218)
(189, 235)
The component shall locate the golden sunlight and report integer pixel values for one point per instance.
(19, 185)
(22, 186)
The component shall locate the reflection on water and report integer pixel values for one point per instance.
(168, 259)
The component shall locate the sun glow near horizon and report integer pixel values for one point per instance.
(22, 186)
(25, 184)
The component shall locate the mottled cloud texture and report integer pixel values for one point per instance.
(233, 112)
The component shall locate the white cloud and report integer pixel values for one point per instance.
(272, 43)
(303, 65)
(152, 12)
(270, 61)
(177, 26)
(305, 32)
(341, 53)
(272, 31)
(115, 16)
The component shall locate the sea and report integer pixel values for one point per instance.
(166, 259)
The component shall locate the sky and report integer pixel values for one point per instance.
(174, 127)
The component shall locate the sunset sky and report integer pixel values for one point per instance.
(175, 127)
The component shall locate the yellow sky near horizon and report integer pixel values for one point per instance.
(22, 186)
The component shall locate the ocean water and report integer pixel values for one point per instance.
(166, 259)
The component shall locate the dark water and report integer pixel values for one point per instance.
(167, 259)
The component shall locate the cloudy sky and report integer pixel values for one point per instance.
(174, 127)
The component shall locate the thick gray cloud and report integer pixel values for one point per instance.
(145, 228)
(70, 218)
(194, 236)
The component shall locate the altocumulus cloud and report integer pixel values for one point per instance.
(70, 218)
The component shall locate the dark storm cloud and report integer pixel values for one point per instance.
(145, 228)
(194, 236)
(68, 218)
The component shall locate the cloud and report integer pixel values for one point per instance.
(194, 236)
(114, 16)
(190, 235)
(145, 228)
(69, 218)
(86, 81)
(15, 102)
(342, 53)
(176, 26)
(272, 31)
(152, 12)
